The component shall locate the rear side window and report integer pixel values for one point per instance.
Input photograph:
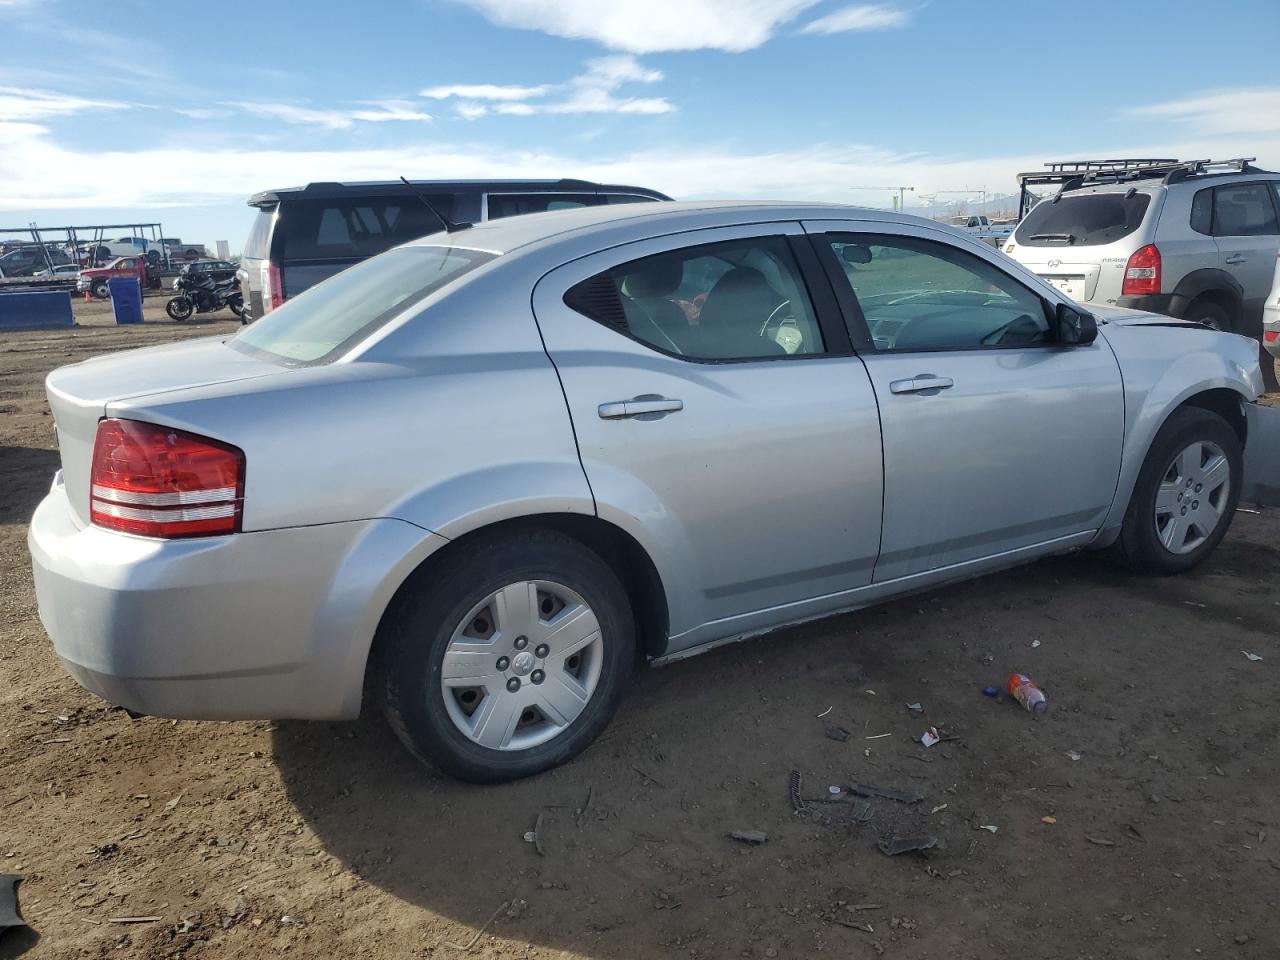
(258, 244)
(1083, 220)
(513, 204)
(1202, 212)
(355, 227)
(736, 300)
(1243, 210)
(317, 325)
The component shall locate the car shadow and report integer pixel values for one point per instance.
(16, 941)
(28, 472)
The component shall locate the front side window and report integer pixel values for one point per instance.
(1243, 210)
(735, 300)
(923, 295)
(318, 324)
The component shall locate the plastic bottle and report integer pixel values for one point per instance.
(1022, 689)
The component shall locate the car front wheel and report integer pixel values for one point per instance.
(509, 659)
(1185, 495)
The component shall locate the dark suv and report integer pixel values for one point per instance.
(303, 235)
(30, 258)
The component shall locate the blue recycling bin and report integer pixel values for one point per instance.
(126, 299)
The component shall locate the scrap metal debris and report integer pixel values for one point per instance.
(9, 916)
(839, 734)
(1251, 657)
(897, 845)
(749, 836)
(797, 803)
(888, 793)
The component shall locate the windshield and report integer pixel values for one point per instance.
(317, 325)
(1084, 220)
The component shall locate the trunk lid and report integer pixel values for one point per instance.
(80, 393)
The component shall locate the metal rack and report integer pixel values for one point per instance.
(1074, 174)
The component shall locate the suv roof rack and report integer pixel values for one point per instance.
(1074, 174)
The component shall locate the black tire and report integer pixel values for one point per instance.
(416, 631)
(1139, 547)
(236, 303)
(153, 257)
(179, 308)
(1210, 314)
(99, 290)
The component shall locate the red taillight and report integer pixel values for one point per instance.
(158, 482)
(1271, 336)
(1142, 272)
(272, 288)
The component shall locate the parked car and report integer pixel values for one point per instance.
(63, 271)
(1271, 315)
(485, 470)
(93, 280)
(30, 258)
(1196, 241)
(217, 269)
(303, 235)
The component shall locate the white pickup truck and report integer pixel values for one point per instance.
(985, 229)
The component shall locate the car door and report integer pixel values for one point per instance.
(997, 439)
(722, 420)
(1247, 231)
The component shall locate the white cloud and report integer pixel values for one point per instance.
(649, 26)
(592, 91)
(1254, 110)
(865, 16)
(20, 103)
(482, 91)
(38, 172)
(373, 111)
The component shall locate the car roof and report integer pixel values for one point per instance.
(329, 190)
(621, 223)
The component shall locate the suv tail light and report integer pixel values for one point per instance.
(1142, 272)
(155, 481)
(272, 288)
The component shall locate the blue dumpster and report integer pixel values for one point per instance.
(126, 299)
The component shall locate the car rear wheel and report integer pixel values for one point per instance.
(508, 660)
(1185, 496)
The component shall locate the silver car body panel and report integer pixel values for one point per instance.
(453, 416)
(1262, 456)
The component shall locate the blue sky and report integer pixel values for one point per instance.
(139, 110)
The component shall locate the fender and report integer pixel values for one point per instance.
(1163, 367)
(1203, 281)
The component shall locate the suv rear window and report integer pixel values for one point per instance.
(1085, 220)
(317, 325)
(354, 227)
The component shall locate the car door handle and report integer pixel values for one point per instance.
(1234, 259)
(921, 382)
(644, 407)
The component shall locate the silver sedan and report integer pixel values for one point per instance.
(490, 471)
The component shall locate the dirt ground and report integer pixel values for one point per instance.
(1158, 764)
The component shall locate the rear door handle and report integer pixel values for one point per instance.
(1234, 259)
(647, 406)
(920, 383)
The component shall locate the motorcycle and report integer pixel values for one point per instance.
(203, 294)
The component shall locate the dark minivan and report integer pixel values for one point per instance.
(303, 235)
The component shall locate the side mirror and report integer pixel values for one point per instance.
(855, 253)
(1075, 327)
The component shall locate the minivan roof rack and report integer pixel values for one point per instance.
(1074, 174)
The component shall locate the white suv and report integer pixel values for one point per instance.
(1196, 240)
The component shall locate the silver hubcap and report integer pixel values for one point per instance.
(522, 665)
(1192, 497)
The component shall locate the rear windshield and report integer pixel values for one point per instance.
(317, 325)
(354, 227)
(1086, 220)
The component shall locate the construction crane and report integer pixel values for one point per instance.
(898, 200)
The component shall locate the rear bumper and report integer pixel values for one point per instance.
(1169, 304)
(268, 625)
(1271, 326)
